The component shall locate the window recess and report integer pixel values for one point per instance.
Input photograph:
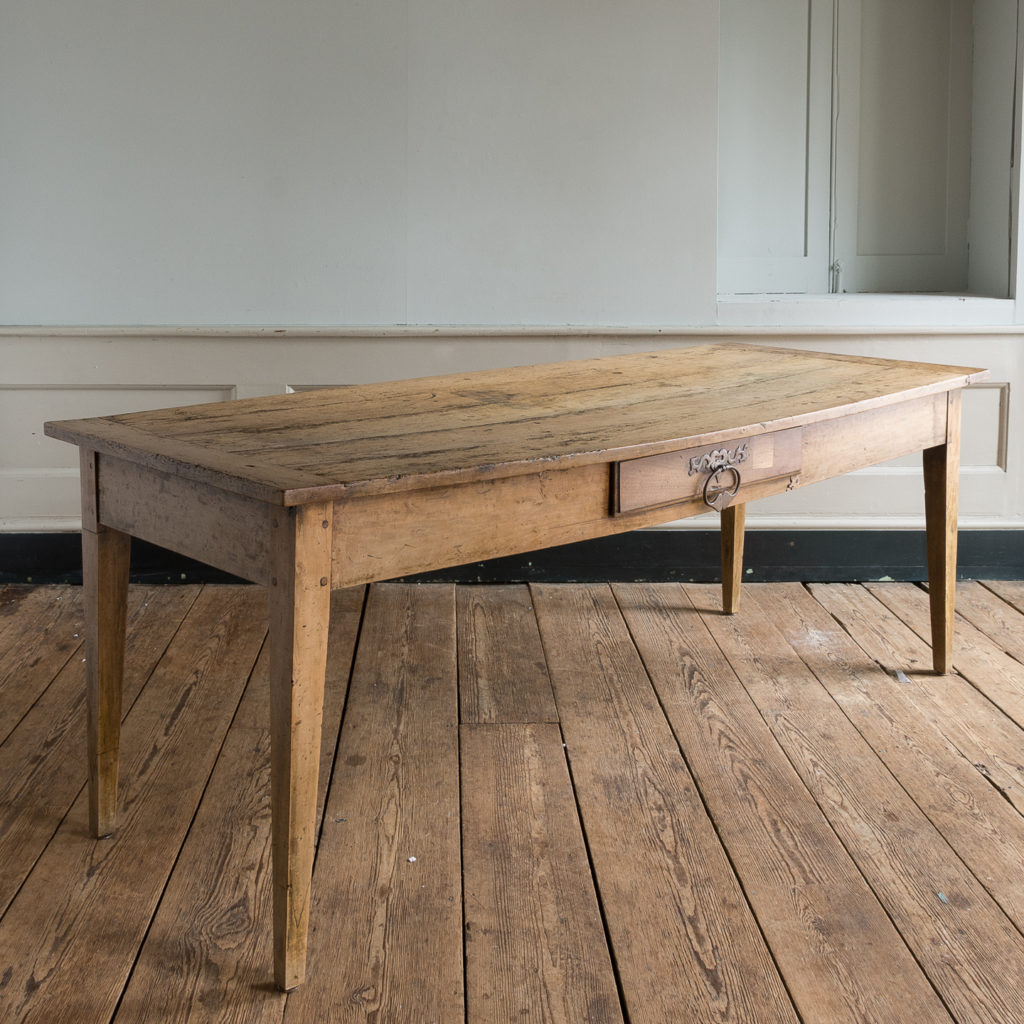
(866, 146)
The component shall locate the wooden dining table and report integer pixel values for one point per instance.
(313, 491)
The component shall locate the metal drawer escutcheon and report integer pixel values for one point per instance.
(710, 475)
(720, 465)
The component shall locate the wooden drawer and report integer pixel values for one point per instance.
(673, 477)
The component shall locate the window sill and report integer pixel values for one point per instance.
(866, 311)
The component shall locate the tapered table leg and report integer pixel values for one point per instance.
(941, 489)
(300, 602)
(734, 519)
(105, 556)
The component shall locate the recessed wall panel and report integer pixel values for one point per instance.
(763, 122)
(904, 127)
(24, 410)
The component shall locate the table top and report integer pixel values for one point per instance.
(372, 438)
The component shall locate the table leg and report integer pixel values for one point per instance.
(941, 487)
(105, 556)
(734, 518)
(300, 603)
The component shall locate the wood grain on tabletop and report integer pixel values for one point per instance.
(391, 435)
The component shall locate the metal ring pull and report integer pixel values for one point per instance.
(717, 494)
(715, 462)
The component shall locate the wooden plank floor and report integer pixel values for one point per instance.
(559, 804)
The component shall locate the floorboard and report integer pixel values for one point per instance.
(535, 943)
(215, 968)
(967, 947)
(503, 676)
(977, 658)
(40, 760)
(534, 939)
(998, 619)
(806, 891)
(659, 866)
(386, 922)
(986, 736)
(70, 937)
(975, 819)
(40, 630)
(558, 804)
(1011, 591)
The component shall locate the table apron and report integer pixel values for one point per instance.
(225, 530)
(840, 446)
(381, 536)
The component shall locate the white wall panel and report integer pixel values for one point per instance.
(184, 163)
(903, 156)
(39, 475)
(23, 410)
(763, 108)
(774, 118)
(49, 374)
(315, 162)
(904, 127)
(992, 114)
(560, 156)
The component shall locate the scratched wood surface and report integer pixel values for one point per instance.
(559, 804)
(374, 438)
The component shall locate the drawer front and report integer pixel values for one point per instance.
(715, 474)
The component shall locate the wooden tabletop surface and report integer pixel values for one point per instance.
(326, 444)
